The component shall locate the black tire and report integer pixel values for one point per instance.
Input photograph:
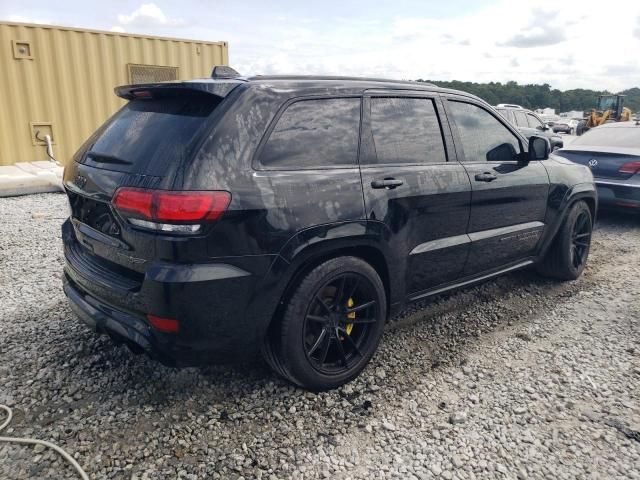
(315, 323)
(581, 127)
(568, 253)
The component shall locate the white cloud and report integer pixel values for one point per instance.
(482, 46)
(148, 15)
(118, 29)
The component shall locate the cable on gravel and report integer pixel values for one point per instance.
(33, 441)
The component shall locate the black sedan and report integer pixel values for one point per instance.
(612, 151)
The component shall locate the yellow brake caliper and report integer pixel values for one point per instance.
(350, 316)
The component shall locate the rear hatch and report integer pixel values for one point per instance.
(142, 147)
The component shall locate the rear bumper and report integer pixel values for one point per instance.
(222, 310)
(618, 194)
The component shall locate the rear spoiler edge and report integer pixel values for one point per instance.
(219, 89)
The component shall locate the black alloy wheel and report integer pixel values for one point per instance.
(337, 325)
(580, 239)
(331, 325)
(567, 255)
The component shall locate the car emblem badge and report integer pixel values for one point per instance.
(80, 181)
(593, 162)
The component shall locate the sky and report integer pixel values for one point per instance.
(571, 44)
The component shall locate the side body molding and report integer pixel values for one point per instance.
(505, 232)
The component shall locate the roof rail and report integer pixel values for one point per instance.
(509, 105)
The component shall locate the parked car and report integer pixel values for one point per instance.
(529, 123)
(573, 123)
(561, 127)
(612, 151)
(214, 218)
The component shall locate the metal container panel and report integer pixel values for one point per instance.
(60, 80)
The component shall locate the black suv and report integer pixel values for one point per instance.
(214, 218)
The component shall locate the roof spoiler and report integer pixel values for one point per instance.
(149, 90)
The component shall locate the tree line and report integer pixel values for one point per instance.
(538, 96)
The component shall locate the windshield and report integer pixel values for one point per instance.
(607, 103)
(146, 135)
(626, 137)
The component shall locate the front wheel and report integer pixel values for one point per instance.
(567, 255)
(331, 325)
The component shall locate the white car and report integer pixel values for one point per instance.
(573, 123)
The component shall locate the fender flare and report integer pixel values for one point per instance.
(314, 244)
(577, 192)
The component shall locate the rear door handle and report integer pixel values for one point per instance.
(485, 177)
(389, 183)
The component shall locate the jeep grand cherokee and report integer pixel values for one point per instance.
(219, 217)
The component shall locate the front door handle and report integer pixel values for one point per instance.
(485, 177)
(389, 183)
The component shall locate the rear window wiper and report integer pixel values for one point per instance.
(104, 158)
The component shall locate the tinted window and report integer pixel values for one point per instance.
(626, 137)
(482, 136)
(533, 121)
(406, 130)
(315, 133)
(146, 135)
(521, 119)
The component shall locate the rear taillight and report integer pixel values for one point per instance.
(630, 168)
(170, 211)
(165, 325)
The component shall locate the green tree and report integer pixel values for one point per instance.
(534, 96)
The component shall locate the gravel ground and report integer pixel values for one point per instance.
(517, 378)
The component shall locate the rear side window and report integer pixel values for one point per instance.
(483, 137)
(314, 133)
(406, 130)
(521, 119)
(147, 135)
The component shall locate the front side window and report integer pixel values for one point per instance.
(314, 133)
(534, 122)
(483, 137)
(406, 130)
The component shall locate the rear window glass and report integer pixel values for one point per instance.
(147, 135)
(406, 130)
(626, 137)
(314, 133)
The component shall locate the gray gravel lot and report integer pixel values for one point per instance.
(518, 378)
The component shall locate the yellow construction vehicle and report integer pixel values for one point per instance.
(610, 108)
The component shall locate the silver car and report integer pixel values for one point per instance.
(612, 151)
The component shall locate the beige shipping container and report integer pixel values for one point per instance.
(59, 81)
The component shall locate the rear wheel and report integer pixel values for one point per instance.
(331, 325)
(581, 127)
(567, 255)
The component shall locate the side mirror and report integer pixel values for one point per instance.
(539, 148)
